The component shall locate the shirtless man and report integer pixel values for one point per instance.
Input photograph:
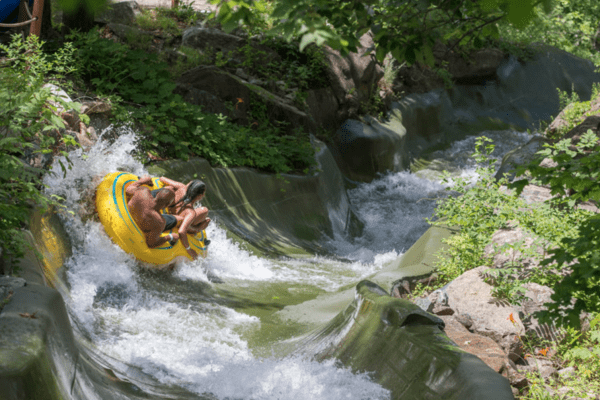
(145, 207)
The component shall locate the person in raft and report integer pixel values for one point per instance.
(193, 220)
(145, 205)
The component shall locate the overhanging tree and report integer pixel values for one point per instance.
(408, 29)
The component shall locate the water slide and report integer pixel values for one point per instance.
(287, 305)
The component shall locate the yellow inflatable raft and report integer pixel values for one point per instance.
(111, 205)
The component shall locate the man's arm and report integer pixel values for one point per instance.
(146, 180)
(171, 182)
(154, 240)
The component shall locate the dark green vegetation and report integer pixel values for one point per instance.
(566, 245)
(141, 87)
(571, 25)
(29, 128)
(406, 29)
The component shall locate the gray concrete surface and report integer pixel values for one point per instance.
(200, 5)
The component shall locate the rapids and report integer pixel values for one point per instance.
(209, 326)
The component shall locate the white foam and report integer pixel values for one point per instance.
(394, 206)
(144, 322)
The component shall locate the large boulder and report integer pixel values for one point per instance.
(364, 149)
(477, 67)
(470, 295)
(353, 78)
(123, 12)
(486, 349)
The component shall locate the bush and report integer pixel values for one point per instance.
(576, 173)
(29, 124)
(570, 26)
(174, 129)
(482, 208)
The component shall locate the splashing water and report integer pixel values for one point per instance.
(394, 206)
(170, 325)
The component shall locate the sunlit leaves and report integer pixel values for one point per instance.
(93, 6)
(402, 28)
(28, 125)
(520, 12)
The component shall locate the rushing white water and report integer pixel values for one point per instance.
(394, 207)
(198, 344)
(170, 327)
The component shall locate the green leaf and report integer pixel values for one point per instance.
(307, 39)
(520, 12)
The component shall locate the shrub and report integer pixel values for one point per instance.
(175, 129)
(27, 117)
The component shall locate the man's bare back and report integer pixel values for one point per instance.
(145, 210)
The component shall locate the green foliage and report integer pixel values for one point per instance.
(482, 208)
(29, 125)
(570, 25)
(463, 253)
(184, 12)
(93, 6)
(191, 58)
(574, 110)
(577, 169)
(406, 29)
(152, 20)
(576, 173)
(175, 129)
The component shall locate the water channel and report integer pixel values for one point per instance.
(211, 326)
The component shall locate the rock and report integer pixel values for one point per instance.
(59, 94)
(548, 163)
(405, 286)
(86, 137)
(209, 102)
(123, 31)
(439, 301)
(123, 12)
(516, 392)
(323, 106)
(567, 372)
(95, 107)
(517, 380)
(477, 67)
(591, 122)
(513, 247)
(353, 78)
(545, 368)
(242, 74)
(464, 319)
(424, 304)
(535, 298)
(469, 294)
(483, 347)
(522, 155)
